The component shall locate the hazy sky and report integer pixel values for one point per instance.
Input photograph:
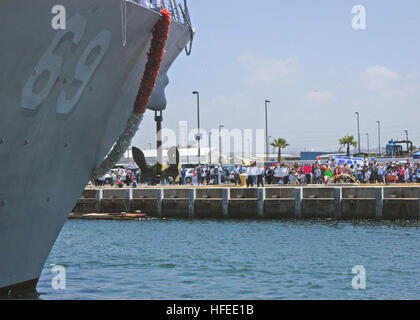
(307, 59)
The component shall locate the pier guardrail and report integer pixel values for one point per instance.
(376, 203)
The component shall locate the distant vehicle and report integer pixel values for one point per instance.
(230, 167)
(189, 165)
(189, 175)
(326, 157)
(107, 177)
(360, 155)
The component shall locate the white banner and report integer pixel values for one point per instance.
(350, 160)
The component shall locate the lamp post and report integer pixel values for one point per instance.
(198, 124)
(379, 137)
(406, 138)
(358, 129)
(266, 131)
(210, 148)
(220, 144)
(367, 137)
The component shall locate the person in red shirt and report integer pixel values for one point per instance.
(338, 173)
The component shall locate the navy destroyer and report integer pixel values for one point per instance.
(65, 97)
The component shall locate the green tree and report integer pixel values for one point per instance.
(347, 141)
(279, 143)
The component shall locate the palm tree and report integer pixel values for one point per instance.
(347, 141)
(279, 143)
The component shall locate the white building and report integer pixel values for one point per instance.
(190, 155)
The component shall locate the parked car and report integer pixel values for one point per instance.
(189, 175)
(107, 176)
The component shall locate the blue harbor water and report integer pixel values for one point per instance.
(178, 259)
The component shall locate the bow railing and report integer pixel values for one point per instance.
(179, 13)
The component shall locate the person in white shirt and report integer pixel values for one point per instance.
(284, 174)
(260, 176)
(249, 179)
(381, 172)
(254, 174)
(277, 175)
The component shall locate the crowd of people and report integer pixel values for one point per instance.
(119, 177)
(318, 172)
(369, 171)
(203, 174)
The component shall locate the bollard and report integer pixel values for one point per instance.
(225, 202)
(261, 199)
(191, 203)
(337, 202)
(298, 202)
(98, 197)
(379, 202)
(159, 198)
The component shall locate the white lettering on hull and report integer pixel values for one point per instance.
(50, 67)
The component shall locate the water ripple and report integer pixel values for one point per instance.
(176, 259)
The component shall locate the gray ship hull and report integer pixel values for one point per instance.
(65, 97)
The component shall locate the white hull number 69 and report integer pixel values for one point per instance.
(50, 66)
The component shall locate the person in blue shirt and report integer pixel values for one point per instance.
(418, 174)
(182, 178)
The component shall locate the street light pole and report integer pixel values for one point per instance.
(367, 136)
(210, 148)
(358, 130)
(220, 144)
(379, 137)
(266, 131)
(198, 125)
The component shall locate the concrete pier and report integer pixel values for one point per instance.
(379, 203)
(191, 203)
(285, 202)
(261, 200)
(298, 202)
(338, 195)
(225, 202)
